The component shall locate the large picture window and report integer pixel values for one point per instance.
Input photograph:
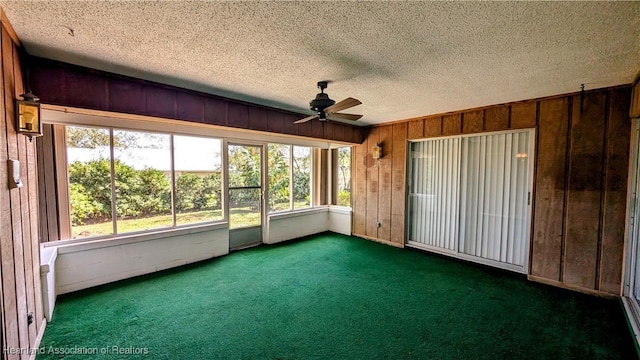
(90, 195)
(124, 181)
(198, 179)
(289, 177)
(142, 168)
(343, 179)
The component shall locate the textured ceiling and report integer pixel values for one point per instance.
(400, 59)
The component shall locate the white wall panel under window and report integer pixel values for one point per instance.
(469, 197)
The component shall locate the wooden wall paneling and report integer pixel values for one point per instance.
(45, 142)
(398, 182)
(238, 115)
(215, 111)
(551, 165)
(28, 242)
(356, 134)
(373, 185)
(523, 115)
(339, 132)
(92, 91)
(160, 102)
(60, 197)
(14, 195)
(305, 129)
(258, 118)
(451, 124)
(317, 129)
(329, 132)
(473, 121)
(42, 203)
(634, 110)
(34, 216)
(385, 182)
(9, 306)
(44, 79)
(62, 84)
(124, 96)
(584, 189)
(432, 126)
(359, 194)
(416, 129)
(615, 192)
(47, 186)
(288, 126)
(496, 118)
(321, 177)
(274, 121)
(190, 106)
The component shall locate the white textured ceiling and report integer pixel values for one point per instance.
(400, 59)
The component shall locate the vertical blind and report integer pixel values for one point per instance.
(469, 195)
(494, 195)
(434, 192)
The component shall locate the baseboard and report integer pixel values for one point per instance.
(572, 287)
(386, 242)
(36, 345)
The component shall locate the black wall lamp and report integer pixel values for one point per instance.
(28, 120)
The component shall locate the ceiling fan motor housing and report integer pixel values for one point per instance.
(321, 102)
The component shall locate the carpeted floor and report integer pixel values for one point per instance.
(334, 297)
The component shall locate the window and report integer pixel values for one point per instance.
(301, 177)
(279, 177)
(142, 168)
(289, 177)
(122, 181)
(343, 181)
(198, 176)
(89, 167)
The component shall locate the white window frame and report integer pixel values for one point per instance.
(65, 203)
(312, 182)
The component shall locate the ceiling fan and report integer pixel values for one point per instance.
(324, 106)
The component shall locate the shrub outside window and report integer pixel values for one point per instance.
(343, 169)
(289, 177)
(122, 181)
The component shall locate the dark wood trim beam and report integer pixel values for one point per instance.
(64, 84)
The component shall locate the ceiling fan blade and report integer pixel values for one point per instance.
(344, 104)
(305, 119)
(343, 116)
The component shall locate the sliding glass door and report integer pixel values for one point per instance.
(469, 197)
(631, 289)
(434, 193)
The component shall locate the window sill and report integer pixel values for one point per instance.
(345, 210)
(301, 212)
(75, 245)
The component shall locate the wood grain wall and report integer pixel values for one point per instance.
(64, 84)
(582, 155)
(19, 245)
(634, 111)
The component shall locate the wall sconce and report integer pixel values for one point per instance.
(377, 152)
(28, 116)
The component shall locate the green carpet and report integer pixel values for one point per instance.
(335, 297)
